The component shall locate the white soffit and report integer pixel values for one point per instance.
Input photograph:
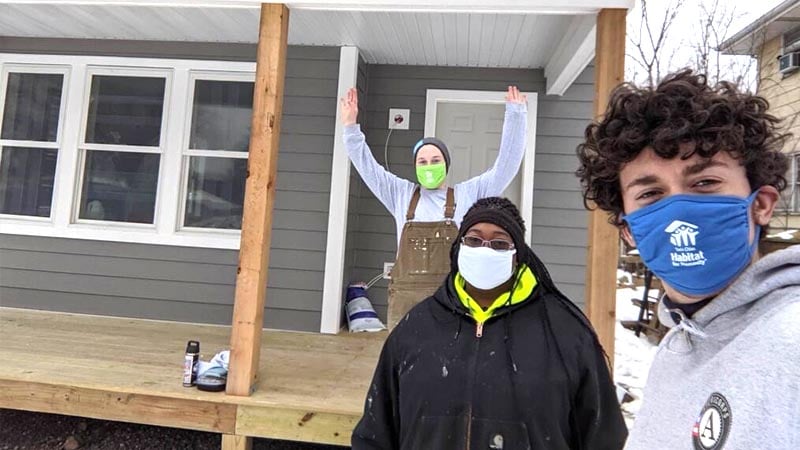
(464, 33)
(435, 39)
(573, 54)
(452, 6)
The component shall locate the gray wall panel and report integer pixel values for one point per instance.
(107, 266)
(306, 143)
(559, 220)
(554, 199)
(566, 218)
(305, 162)
(133, 49)
(314, 125)
(307, 105)
(568, 237)
(557, 180)
(220, 314)
(558, 163)
(195, 284)
(557, 145)
(553, 108)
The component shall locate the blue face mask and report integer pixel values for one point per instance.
(695, 243)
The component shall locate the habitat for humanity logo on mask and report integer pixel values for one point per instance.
(683, 237)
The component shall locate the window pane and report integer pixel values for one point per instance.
(125, 110)
(221, 115)
(119, 186)
(215, 193)
(26, 180)
(33, 102)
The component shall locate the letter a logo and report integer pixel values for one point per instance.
(714, 424)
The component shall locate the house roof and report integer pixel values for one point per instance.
(556, 36)
(777, 21)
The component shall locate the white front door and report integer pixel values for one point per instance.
(472, 133)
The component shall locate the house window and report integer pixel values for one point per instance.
(29, 141)
(216, 153)
(137, 150)
(791, 40)
(121, 150)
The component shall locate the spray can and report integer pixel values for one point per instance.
(190, 363)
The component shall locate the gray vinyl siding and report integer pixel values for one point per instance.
(134, 49)
(193, 284)
(559, 219)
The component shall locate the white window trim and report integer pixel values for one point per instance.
(44, 69)
(436, 96)
(70, 138)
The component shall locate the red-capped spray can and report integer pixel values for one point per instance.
(190, 363)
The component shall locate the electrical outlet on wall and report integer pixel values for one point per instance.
(399, 118)
(387, 270)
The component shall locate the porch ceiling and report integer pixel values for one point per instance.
(465, 33)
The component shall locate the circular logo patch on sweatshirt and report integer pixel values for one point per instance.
(714, 424)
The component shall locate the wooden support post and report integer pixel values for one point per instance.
(603, 252)
(236, 442)
(251, 278)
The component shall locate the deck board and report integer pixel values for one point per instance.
(311, 387)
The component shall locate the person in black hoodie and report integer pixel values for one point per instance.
(497, 358)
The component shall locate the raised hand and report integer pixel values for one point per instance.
(348, 106)
(513, 96)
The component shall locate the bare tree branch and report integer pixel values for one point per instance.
(650, 41)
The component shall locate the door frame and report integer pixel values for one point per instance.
(436, 96)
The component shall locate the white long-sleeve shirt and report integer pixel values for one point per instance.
(395, 192)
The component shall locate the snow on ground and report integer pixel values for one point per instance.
(632, 355)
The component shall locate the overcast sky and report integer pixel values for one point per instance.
(685, 28)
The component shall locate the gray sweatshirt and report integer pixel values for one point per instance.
(395, 192)
(729, 378)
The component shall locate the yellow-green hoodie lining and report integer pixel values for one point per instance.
(524, 287)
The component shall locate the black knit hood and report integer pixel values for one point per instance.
(503, 213)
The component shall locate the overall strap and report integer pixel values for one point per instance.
(412, 207)
(450, 205)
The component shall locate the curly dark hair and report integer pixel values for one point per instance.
(682, 109)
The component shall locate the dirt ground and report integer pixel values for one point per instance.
(23, 430)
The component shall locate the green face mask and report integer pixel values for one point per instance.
(431, 176)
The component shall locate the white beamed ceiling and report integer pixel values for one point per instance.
(398, 37)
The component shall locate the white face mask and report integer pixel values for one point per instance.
(485, 268)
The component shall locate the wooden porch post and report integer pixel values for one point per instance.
(235, 442)
(251, 278)
(603, 252)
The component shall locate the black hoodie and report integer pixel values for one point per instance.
(535, 379)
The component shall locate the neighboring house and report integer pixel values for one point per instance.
(125, 129)
(774, 39)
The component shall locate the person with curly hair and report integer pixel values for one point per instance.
(691, 173)
(497, 358)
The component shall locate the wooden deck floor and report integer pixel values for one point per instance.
(311, 386)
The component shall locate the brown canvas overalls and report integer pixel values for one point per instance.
(423, 258)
